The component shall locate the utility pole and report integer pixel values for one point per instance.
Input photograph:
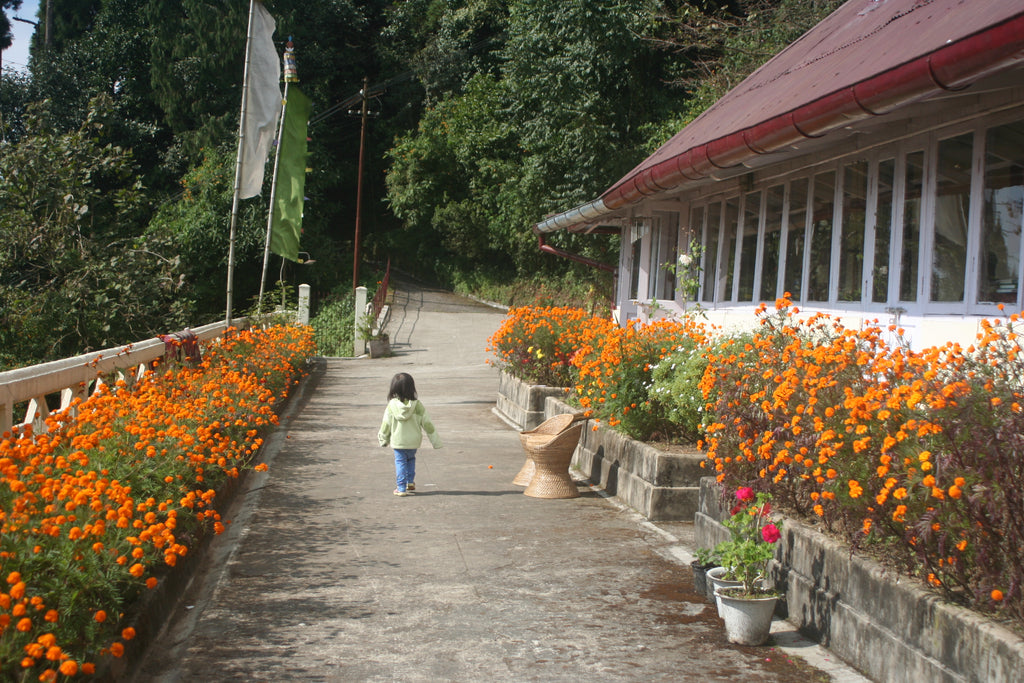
(49, 24)
(359, 182)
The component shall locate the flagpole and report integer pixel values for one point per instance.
(290, 74)
(270, 210)
(238, 165)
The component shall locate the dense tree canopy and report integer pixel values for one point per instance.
(484, 116)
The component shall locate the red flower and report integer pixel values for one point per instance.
(744, 493)
(770, 533)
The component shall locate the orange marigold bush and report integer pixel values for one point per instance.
(614, 372)
(99, 507)
(537, 343)
(915, 453)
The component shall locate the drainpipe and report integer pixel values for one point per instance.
(547, 248)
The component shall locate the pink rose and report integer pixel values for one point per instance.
(770, 533)
(745, 493)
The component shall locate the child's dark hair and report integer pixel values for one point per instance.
(402, 387)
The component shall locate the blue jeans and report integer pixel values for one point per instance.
(405, 467)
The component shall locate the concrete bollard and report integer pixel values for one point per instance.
(303, 315)
(359, 344)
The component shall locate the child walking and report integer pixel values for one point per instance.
(405, 420)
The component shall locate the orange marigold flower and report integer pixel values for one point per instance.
(117, 649)
(997, 595)
(128, 633)
(100, 616)
(24, 625)
(69, 667)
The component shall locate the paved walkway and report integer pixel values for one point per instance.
(324, 575)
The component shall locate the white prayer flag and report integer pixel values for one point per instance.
(263, 103)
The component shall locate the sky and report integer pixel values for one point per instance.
(16, 56)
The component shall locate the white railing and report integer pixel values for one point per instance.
(80, 376)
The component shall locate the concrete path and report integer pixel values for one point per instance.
(324, 575)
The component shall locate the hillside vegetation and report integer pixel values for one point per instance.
(117, 165)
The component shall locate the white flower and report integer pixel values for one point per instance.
(685, 260)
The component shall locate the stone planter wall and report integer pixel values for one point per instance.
(523, 404)
(884, 625)
(660, 486)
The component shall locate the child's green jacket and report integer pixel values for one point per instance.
(404, 423)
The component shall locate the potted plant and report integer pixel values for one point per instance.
(705, 559)
(747, 607)
(376, 339)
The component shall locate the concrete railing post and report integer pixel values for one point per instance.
(359, 344)
(303, 315)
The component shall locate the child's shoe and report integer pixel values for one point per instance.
(400, 493)
(410, 486)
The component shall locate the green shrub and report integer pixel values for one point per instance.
(334, 325)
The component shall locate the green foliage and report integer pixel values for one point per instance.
(675, 391)
(333, 324)
(73, 276)
(751, 544)
(197, 222)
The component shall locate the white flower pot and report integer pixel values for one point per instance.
(716, 581)
(748, 621)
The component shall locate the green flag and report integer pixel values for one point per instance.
(286, 225)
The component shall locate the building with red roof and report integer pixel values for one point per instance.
(874, 169)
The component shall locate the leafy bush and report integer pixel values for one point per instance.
(538, 344)
(334, 324)
(916, 454)
(615, 372)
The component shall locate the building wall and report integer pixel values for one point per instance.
(920, 227)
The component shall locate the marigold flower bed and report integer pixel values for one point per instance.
(916, 456)
(98, 509)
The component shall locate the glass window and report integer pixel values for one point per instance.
(883, 232)
(1001, 216)
(913, 181)
(952, 208)
(772, 242)
(821, 236)
(636, 242)
(748, 247)
(732, 215)
(711, 253)
(664, 240)
(690, 281)
(851, 239)
(795, 238)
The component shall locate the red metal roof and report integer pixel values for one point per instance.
(867, 58)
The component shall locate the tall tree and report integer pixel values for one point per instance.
(74, 275)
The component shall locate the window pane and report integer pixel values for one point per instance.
(690, 275)
(793, 280)
(772, 242)
(1001, 221)
(711, 253)
(732, 215)
(883, 231)
(821, 236)
(851, 244)
(952, 207)
(911, 226)
(636, 241)
(661, 281)
(748, 255)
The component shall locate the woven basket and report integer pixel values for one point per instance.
(547, 429)
(551, 462)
